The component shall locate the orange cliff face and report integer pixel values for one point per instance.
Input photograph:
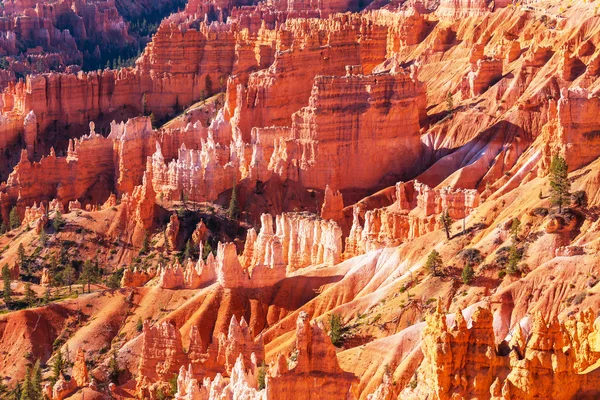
(262, 223)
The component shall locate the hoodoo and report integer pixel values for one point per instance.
(299, 199)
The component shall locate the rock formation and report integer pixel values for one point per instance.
(415, 212)
(172, 231)
(546, 365)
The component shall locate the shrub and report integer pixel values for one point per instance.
(579, 198)
(514, 256)
(335, 329)
(262, 376)
(540, 211)
(471, 256)
(58, 222)
(468, 274)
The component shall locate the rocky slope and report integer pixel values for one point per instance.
(261, 224)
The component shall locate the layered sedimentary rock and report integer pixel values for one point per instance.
(546, 365)
(315, 372)
(333, 205)
(163, 356)
(192, 276)
(349, 122)
(136, 277)
(301, 239)
(414, 213)
(63, 388)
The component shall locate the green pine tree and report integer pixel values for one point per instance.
(58, 366)
(433, 263)
(58, 222)
(262, 376)
(446, 222)
(559, 182)
(43, 237)
(89, 274)
(468, 274)
(23, 262)
(68, 276)
(189, 250)
(146, 243)
(514, 256)
(14, 219)
(30, 297)
(27, 392)
(335, 329)
(515, 227)
(113, 368)
(234, 210)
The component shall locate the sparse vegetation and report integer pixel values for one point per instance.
(468, 274)
(233, 211)
(14, 219)
(514, 256)
(446, 222)
(579, 198)
(335, 329)
(434, 263)
(515, 228)
(58, 221)
(471, 256)
(262, 376)
(113, 368)
(559, 182)
(449, 102)
(58, 366)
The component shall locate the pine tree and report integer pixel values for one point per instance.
(146, 243)
(27, 392)
(46, 298)
(262, 376)
(23, 258)
(89, 274)
(433, 263)
(58, 366)
(559, 182)
(446, 222)
(206, 250)
(36, 381)
(14, 219)
(145, 104)
(515, 227)
(449, 102)
(30, 297)
(68, 276)
(189, 251)
(514, 256)
(468, 274)
(113, 368)
(58, 222)
(335, 329)
(6, 292)
(43, 237)
(234, 210)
